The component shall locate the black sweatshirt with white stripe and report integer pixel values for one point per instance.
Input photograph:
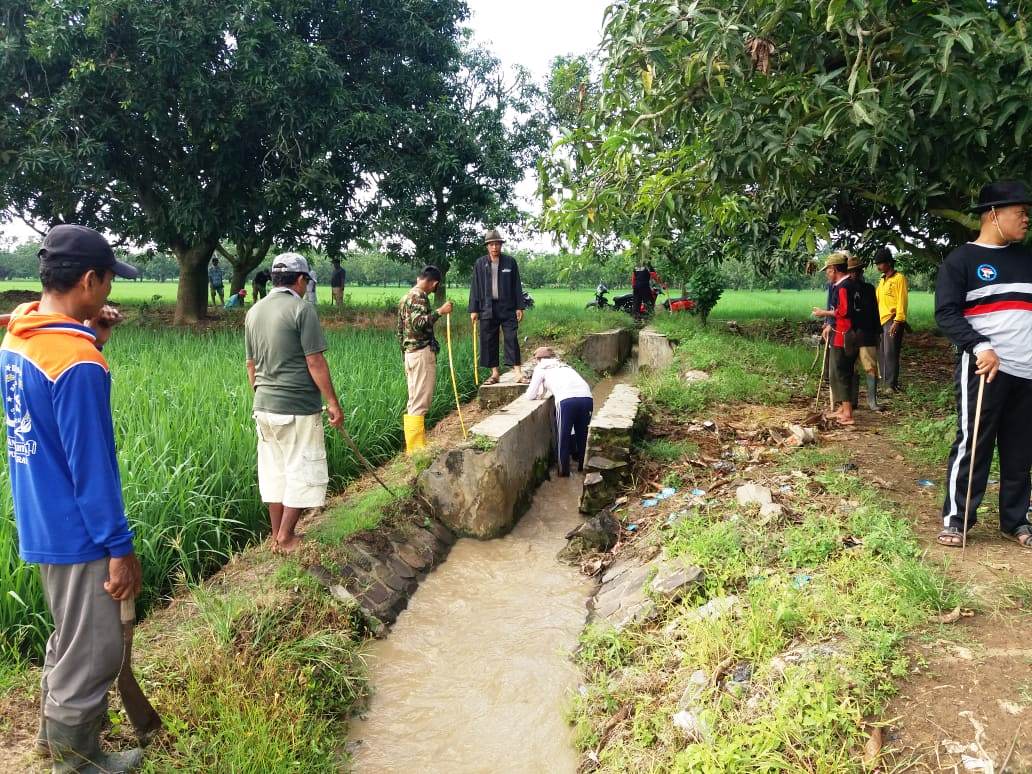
(983, 299)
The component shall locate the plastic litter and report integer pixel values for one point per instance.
(925, 483)
(665, 493)
(848, 467)
(785, 488)
(631, 528)
(698, 492)
(800, 580)
(652, 502)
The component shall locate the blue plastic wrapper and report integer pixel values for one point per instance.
(698, 492)
(652, 502)
(924, 482)
(632, 527)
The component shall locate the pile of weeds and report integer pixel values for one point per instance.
(259, 684)
(824, 598)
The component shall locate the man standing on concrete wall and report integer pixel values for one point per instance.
(496, 300)
(67, 490)
(287, 368)
(416, 321)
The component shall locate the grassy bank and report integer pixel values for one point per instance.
(822, 597)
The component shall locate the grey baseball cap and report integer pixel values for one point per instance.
(290, 263)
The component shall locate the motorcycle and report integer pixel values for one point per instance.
(600, 302)
(625, 303)
(528, 300)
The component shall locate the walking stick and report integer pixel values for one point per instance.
(971, 467)
(361, 458)
(476, 364)
(820, 380)
(454, 384)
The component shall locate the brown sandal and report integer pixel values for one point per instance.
(951, 538)
(1022, 536)
(491, 380)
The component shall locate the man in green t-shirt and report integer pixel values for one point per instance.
(284, 344)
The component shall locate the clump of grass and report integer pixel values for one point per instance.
(665, 450)
(359, 514)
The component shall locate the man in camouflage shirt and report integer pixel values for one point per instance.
(416, 320)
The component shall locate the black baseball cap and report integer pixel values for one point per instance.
(78, 247)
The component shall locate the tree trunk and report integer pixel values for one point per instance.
(192, 296)
(441, 294)
(239, 279)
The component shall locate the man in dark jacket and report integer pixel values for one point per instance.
(843, 350)
(496, 300)
(641, 288)
(868, 330)
(983, 303)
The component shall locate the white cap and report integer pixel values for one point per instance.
(290, 263)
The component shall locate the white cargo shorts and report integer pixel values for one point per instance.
(291, 459)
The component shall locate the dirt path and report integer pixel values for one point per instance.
(974, 691)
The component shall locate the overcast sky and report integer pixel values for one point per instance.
(529, 33)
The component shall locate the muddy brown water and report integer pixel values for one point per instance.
(476, 673)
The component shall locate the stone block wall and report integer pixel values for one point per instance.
(605, 352)
(481, 489)
(608, 456)
(655, 351)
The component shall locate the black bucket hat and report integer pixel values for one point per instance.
(77, 247)
(1002, 193)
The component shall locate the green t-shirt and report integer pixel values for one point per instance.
(279, 331)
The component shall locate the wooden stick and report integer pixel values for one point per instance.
(476, 365)
(971, 467)
(454, 383)
(820, 379)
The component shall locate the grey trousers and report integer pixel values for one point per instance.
(85, 651)
(841, 374)
(890, 349)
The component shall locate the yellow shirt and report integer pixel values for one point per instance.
(892, 294)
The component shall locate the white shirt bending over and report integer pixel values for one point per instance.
(559, 379)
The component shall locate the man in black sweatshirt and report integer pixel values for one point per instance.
(983, 303)
(496, 300)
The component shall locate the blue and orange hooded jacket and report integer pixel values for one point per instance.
(60, 441)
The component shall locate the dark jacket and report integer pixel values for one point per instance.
(510, 289)
(868, 322)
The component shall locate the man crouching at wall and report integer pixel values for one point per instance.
(573, 406)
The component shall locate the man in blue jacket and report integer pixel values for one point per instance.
(67, 490)
(496, 300)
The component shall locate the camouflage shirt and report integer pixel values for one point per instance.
(416, 321)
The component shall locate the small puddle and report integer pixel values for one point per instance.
(476, 673)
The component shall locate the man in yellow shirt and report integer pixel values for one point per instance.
(892, 310)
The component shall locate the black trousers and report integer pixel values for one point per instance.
(1006, 406)
(840, 374)
(572, 417)
(642, 298)
(489, 327)
(889, 350)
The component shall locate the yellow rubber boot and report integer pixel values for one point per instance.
(415, 433)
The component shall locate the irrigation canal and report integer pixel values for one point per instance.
(476, 673)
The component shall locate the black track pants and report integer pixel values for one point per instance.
(489, 341)
(572, 417)
(889, 350)
(642, 300)
(1006, 408)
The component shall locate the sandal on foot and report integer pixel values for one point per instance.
(951, 538)
(491, 380)
(1022, 536)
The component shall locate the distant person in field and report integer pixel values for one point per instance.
(983, 303)
(573, 406)
(260, 285)
(236, 300)
(310, 288)
(496, 301)
(843, 337)
(337, 280)
(868, 330)
(67, 490)
(893, 302)
(287, 368)
(215, 283)
(416, 318)
(641, 290)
